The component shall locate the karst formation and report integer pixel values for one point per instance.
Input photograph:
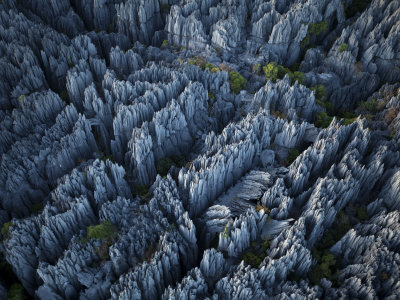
(199, 149)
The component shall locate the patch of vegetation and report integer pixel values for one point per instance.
(211, 96)
(343, 47)
(320, 93)
(97, 30)
(323, 120)
(21, 98)
(5, 229)
(17, 292)
(203, 64)
(348, 117)
(327, 265)
(166, 163)
(325, 268)
(298, 76)
(338, 230)
(313, 30)
(320, 97)
(348, 121)
(273, 71)
(305, 43)
(164, 43)
(104, 231)
(253, 259)
(226, 233)
(257, 253)
(237, 82)
(317, 28)
(293, 154)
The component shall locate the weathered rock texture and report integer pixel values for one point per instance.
(137, 164)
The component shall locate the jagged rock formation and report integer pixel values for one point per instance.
(145, 156)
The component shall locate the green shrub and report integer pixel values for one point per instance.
(253, 259)
(320, 97)
(226, 233)
(317, 28)
(343, 47)
(5, 229)
(21, 98)
(348, 121)
(320, 93)
(211, 96)
(237, 82)
(105, 230)
(348, 116)
(273, 71)
(338, 230)
(325, 267)
(293, 154)
(17, 292)
(323, 120)
(166, 163)
(298, 76)
(164, 43)
(370, 105)
(313, 30)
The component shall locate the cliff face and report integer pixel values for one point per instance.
(175, 149)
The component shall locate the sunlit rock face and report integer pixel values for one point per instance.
(181, 149)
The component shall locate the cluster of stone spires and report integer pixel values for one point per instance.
(93, 102)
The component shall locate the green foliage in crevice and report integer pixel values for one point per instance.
(237, 82)
(166, 163)
(273, 72)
